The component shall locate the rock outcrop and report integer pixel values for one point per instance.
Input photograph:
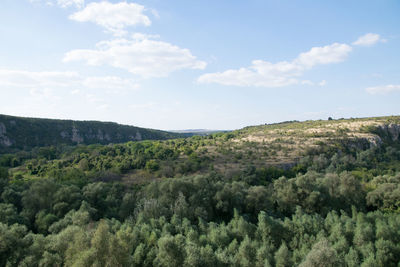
(24, 133)
(393, 131)
(4, 140)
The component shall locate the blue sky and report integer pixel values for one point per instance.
(199, 64)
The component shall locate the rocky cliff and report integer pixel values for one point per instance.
(25, 133)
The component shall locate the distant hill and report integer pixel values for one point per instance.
(201, 132)
(283, 144)
(24, 133)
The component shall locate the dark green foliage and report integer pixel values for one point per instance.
(386, 194)
(3, 178)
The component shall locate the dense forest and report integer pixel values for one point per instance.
(315, 193)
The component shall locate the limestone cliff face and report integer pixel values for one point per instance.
(102, 136)
(393, 130)
(4, 140)
(76, 138)
(138, 136)
(76, 135)
(375, 141)
(25, 133)
(385, 132)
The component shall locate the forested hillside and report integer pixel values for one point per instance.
(17, 133)
(314, 193)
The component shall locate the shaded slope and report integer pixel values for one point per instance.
(25, 133)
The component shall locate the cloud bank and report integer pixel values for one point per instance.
(267, 74)
(139, 55)
(284, 73)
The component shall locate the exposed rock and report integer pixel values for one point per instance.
(375, 141)
(4, 140)
(2, 129)
(64, 134)
(100, 135)
(393, 130)
(138, 136)
(75, 136)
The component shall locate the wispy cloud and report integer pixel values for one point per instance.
(62, 3)
(383, 89)
(30, 79)
(147, 105)
(308, 82)
(369, 39)
(67, 79)
(43, 94)
(109, 82)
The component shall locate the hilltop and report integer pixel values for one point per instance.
(19, 133)
(193, 132)
(281, 144)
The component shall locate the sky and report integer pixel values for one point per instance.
(175, 64)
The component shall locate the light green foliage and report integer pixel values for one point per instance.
(283, 256)
(321, 254)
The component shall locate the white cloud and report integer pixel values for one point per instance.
(103, 107)
(155, 13)
(93, 98)
(307, 82)
(148, 105)
(109, 82)
(67, 3)
(328, 54)
(266, 74)
(68, 79)
(369, 39)
(113, 17)
(141, 56)
(43, 94)
(29, 79)
(383, 89)
(62, 3)
(142, 36)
